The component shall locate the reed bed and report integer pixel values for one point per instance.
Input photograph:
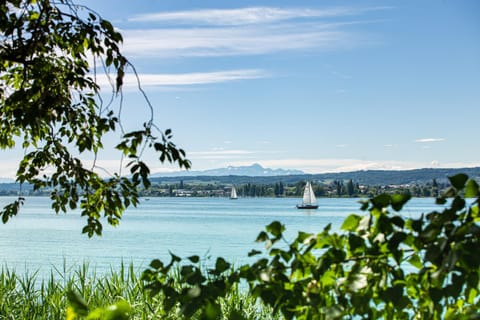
(27, 296)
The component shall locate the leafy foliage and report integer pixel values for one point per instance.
(51, 106)
(121, 310)
(383, 266)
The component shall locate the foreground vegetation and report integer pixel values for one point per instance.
(383, 266)
(26, 296)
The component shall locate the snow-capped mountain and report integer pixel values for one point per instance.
(254, 170)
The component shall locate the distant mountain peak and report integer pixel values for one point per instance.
(254, 170)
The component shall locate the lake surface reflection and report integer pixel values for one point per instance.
(38, 239)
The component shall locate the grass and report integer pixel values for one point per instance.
(26, 296)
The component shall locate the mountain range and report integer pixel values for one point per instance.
(254, 170)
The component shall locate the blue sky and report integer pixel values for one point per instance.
(319, 86)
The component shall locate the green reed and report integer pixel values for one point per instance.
(26, 296)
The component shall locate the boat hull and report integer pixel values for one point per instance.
(307, 206)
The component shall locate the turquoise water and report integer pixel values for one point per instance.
(38, 239)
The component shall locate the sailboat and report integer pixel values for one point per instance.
(309, 201)
(233, 194)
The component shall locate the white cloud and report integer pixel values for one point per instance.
(8, 169)
(228, 16)
(242, 31)
(220, 151)
(427, 140)
(185, 79)
(250, 15)
(198, 42)
(217, 152)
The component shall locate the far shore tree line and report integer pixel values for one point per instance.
(335, 188)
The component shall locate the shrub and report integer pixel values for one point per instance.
(383, 266)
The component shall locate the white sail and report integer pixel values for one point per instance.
(308, 195)
(233, 193)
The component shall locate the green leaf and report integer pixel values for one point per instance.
(221, 265)
(194, 259)
(396, 239)
(415, 224)
(364, 205)
(329, 278)
(98, 313)
(458, 181)
(399, 200)
(77, 302)
(351, 222)
(236, 315)
(275, 228)
(355, 242)
(304, 236)
(435, 294)
(262, 236)
(381, 201)
(458, 203)
(472, 295)
(174, 258)
(254, 253)
(398, 221)
(212, 311)
(415, 261)
(118, 311)
(471, 189)
(156, 264)
(394, 294)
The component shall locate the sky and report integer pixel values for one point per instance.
(318, 86)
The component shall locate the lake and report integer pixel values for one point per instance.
(38, 239)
